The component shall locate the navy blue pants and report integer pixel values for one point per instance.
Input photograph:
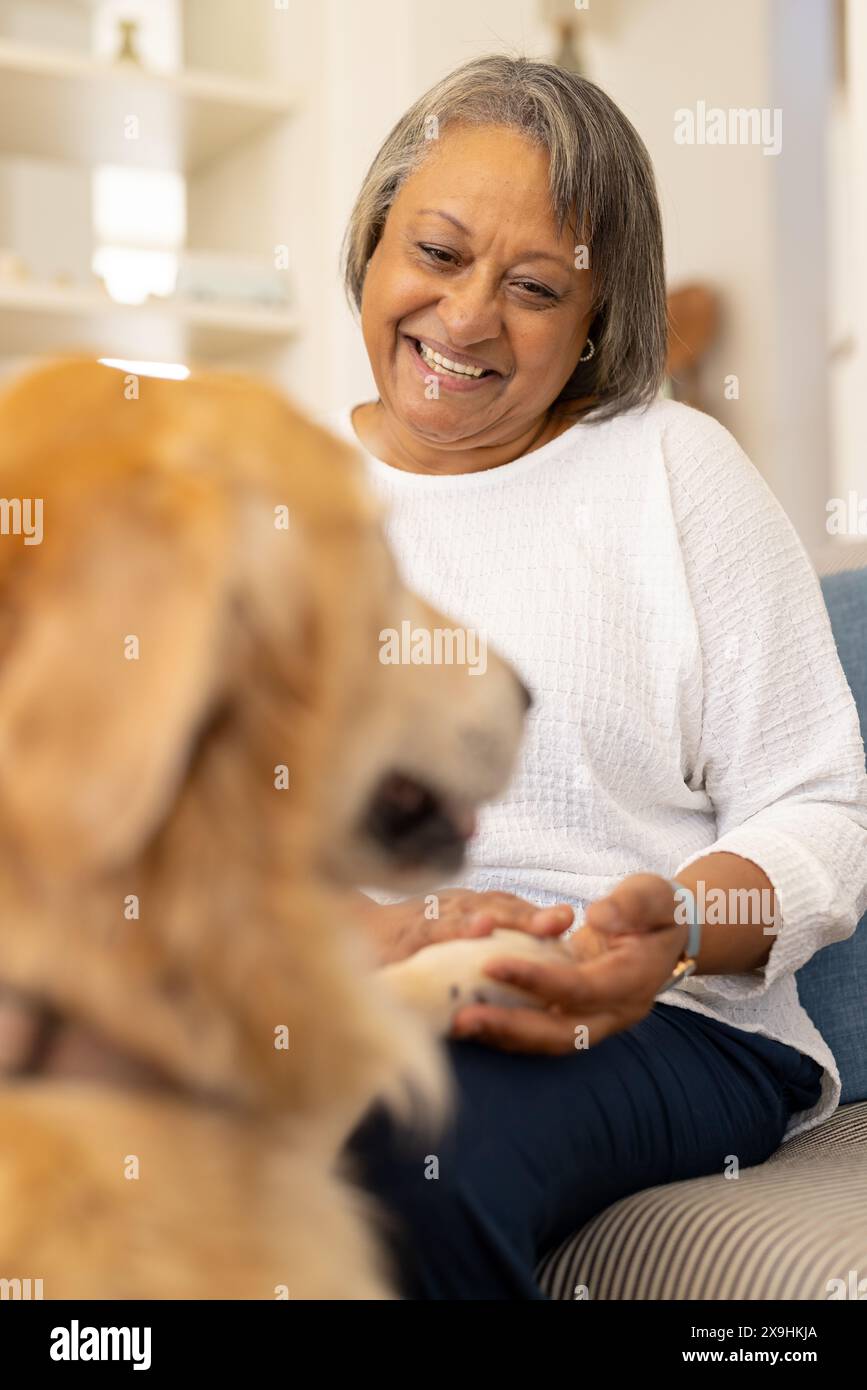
(539, 1145)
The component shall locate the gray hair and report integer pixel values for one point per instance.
(600, 177)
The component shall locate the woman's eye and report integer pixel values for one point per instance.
(538, 291)
(436, 253)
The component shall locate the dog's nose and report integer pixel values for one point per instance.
(415, 826)
(526, 695)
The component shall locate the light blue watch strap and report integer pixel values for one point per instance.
(686, 965)
(687, 899)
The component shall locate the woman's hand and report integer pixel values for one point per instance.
(623, 955)
(400, 929)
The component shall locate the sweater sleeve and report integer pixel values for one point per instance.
(781, 755)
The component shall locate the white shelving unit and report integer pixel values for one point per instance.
(65, 111)
(62, 106)
(38, 317)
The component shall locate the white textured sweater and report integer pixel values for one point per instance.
(689, 698)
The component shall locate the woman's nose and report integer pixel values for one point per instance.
(470, 314)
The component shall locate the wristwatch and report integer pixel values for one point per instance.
(688, 960)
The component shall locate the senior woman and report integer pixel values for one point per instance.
(691, 722)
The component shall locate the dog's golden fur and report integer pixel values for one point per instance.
(163, 653)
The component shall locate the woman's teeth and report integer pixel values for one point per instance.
(444, 365)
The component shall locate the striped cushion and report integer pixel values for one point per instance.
(783, 1229)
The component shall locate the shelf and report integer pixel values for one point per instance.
(73, 108)
(35, 319)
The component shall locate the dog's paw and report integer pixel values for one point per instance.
(441, 979)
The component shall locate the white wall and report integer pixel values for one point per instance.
(716, 200)
(849, 378)
(754, 226)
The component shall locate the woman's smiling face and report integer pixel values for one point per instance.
(470, 266)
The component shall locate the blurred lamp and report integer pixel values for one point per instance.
(566, 18)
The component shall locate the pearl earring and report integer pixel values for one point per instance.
(590, 348)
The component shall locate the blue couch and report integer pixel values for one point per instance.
(833, 985)
(794, 1227)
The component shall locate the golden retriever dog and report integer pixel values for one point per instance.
(201, 749)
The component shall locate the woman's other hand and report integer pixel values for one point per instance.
(623, 955)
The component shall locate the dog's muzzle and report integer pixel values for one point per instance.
(416, 826)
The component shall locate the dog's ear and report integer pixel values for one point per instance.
(109, 652)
